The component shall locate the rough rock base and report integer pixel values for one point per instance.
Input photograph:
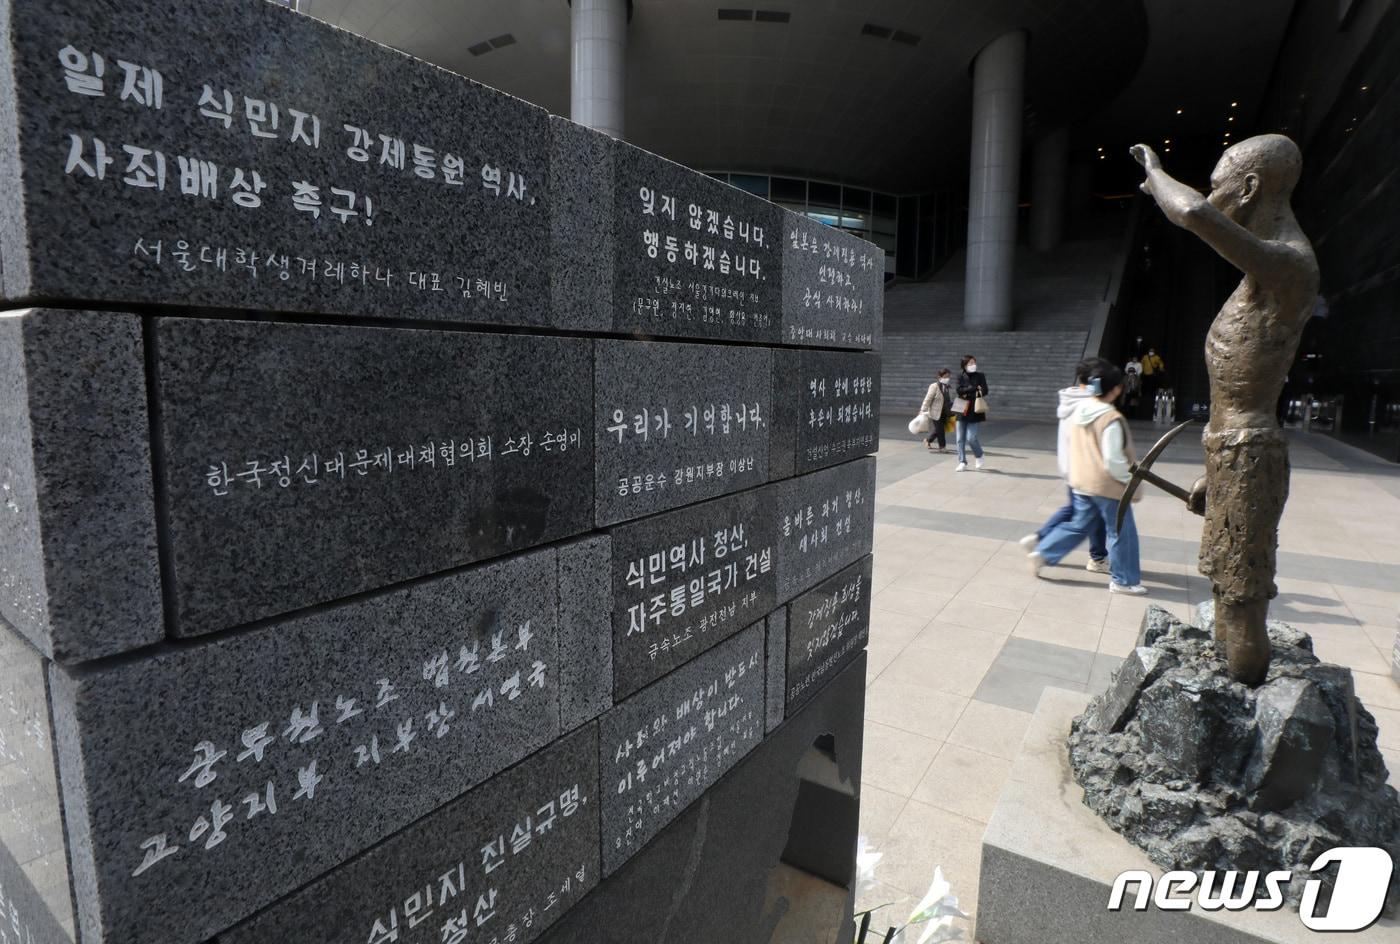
(1204, 773)
(1049, 864)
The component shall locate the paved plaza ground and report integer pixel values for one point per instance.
(963, 640)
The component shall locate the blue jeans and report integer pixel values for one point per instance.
(1098, 537)
(968, 435)
(1091, 511)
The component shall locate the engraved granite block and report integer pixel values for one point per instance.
(826, 407)
(516, 852)
(827, 628)
(686, 580)
(695, 258)
(825, 521)
(769, 855)
(833, 286)
(672, 740)
(677, 424)
(201, 782)
(243, 156)
(303, 463)
(74, 438)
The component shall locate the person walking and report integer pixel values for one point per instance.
(1154, 377)
(972, 384)
(1070, 400)
(938, 404)
(1100, 459)
(1132, 391)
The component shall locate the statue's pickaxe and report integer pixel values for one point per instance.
(1142, 473)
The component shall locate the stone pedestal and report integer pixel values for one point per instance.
(1048, 864)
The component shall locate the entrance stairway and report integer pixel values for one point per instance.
(1058, 296)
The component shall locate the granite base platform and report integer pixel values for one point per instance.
(1048, 864)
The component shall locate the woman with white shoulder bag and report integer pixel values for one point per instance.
(971, 410)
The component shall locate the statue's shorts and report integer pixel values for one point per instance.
(1246, 487)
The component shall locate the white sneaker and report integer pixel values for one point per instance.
(1097, 566)
(1036, 562)
(962, 467)
(1029, 542)
(1136, 589)
(979, 463)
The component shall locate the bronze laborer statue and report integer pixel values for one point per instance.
(1249, 350)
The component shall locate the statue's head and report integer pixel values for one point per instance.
(1258, 173)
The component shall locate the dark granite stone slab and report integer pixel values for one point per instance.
(374, 480)
(34, 890)
(827, 410)
(581, 170)
(686, 580)
(79, 574)
(695, 258)
(255, 158)
(833, 286)
(664, 747)
(827, 628)
(505, 861)
(678, 423)
(825, 521)
(776, 675)
(353, 722)
(735, 867)
(585, 629)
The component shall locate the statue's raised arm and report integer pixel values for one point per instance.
(1242, 184)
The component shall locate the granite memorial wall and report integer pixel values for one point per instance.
(413, 502)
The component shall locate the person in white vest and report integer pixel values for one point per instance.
(1070, 400)
(1100, 463)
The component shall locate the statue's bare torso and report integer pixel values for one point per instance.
(1251, 346)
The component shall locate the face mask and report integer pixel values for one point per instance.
(972, 368)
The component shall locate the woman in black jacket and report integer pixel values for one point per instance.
(972, 383)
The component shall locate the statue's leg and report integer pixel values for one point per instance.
(1246, 487)
(1240, 627)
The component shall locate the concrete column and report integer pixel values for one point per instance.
(998, 80)
(1049, 178)
(599, 64)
